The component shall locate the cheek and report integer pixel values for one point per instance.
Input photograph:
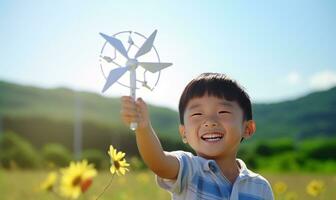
(228, 121)
(194, 120)
(232, 124)
(189, 126)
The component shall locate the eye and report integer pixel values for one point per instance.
(224, 112)
(196, 114)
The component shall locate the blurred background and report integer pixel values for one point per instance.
(52, 110)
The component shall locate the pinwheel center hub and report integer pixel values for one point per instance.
(133, 63)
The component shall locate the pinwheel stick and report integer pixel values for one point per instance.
(133, 125)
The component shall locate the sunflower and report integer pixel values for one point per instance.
(280, 187)
(118, 162)
(76, 179)
(49, 183)
(315, 188)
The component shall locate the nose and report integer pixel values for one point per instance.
(210, 123)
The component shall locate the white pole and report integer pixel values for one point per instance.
(133, 125)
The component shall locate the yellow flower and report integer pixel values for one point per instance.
(315, 188)
(118, 162)
(49, 183)
(76, 179)
(280, 187)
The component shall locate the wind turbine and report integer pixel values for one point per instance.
(131, 64)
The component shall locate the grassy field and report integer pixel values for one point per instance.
(20, 184)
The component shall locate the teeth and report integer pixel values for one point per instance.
(212, 137)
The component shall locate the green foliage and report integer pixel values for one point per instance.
(96, 157)
(289, 161)
(170, 144)
(248, 155)
(283, 155)
(56, 154)
(40, 131)
(270, 148)
(319, 149)
(15, 150)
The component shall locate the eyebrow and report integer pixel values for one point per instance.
(226, 104)
(221, 103)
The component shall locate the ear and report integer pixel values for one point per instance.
(250, 128)
(182, 133)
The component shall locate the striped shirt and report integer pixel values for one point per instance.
(199, 178)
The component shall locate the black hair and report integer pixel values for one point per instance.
(218, 85)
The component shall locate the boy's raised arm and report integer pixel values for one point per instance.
(161, 163)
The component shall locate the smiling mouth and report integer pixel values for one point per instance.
(212, 137)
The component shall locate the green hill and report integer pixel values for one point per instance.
(47, 115)
(60, 104)
(310, 116)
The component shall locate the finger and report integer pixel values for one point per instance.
(132, 116)
(128, 119)
(128, 105)
(127, 100)
(131, 113)
(140, 102)
(129, 108)
(142, 106)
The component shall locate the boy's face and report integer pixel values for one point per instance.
(213, 126)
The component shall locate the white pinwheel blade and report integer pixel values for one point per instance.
(153, 66)
(147, 45)
(113, 76)
(116, 43)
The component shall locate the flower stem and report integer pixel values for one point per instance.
(108, 185)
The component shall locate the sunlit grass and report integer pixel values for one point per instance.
(21, 184)
(296, 185)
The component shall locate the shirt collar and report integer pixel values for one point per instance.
(244, 172)
(211, 165)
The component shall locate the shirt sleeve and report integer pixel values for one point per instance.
(185, 169)
(268, 193)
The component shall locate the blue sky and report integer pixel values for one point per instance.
(277, 50)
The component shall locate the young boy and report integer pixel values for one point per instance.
(215, 115)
